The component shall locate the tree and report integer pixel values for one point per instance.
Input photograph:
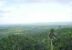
(51, 36)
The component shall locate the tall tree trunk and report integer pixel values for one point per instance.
(51, 45)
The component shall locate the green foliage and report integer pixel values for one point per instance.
(34, 39)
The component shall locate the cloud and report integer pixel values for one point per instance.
(2, 4)
(24, 13)
(36, 12)
(33, 1)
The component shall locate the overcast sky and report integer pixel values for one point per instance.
(35, 11)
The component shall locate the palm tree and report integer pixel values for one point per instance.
(51, 36)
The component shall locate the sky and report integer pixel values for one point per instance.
(35, 11)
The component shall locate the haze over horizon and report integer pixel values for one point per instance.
(35, 11)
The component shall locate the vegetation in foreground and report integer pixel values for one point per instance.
(19, 38)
